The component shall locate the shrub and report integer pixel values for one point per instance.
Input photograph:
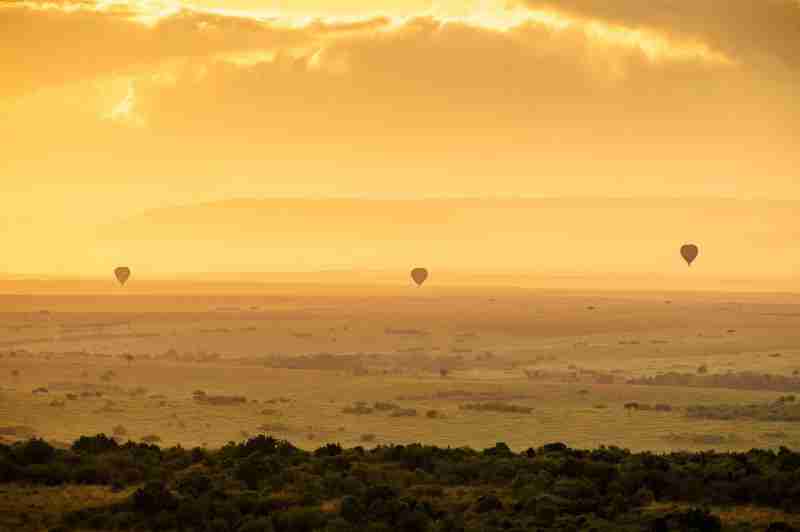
(351, 509)
(330, 449)
(153, 498)
(94, 444)
(404, 412)
(194, 485)
(497, 407)
(35, 451)
(357, 409)
(412, 521)
(259, 524)
(299, 520)
(51, 474)
(488, 503)
(91, 474)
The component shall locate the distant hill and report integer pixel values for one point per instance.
(737, 238)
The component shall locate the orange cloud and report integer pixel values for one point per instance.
(56, 43)
(517, 102)
(50, 43)
(750, 30)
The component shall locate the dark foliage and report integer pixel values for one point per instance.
(268, 485)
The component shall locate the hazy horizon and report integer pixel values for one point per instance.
(184, 104)
(615, 240)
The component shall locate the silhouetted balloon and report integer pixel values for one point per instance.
(689, 252)
(419, 275)
(122, 274)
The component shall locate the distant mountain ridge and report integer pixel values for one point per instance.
(744, 238)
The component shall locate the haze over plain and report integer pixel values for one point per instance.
(186, 104)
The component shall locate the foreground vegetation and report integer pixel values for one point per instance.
(265, 484)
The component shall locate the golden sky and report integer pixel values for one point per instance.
(111, 108)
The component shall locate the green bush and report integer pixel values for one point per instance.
(34, 451)
(259, 524)
(351, 509)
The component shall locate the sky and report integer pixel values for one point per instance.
(109, 109)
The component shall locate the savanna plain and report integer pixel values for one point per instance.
(319, 367)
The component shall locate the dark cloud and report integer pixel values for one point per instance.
(750, 30)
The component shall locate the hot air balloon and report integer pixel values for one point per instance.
(122, 274)
(419, 275)
(689, 252)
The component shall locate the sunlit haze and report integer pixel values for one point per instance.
(113, 111)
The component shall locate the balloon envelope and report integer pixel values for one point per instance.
(419, 275)
(689, 252)
(122, 274)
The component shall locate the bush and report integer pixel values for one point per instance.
(299, 520)
(259, 524)
(357, 409)
(497, 407)
(252, 471)
(153, 498)
(488, 503)
(94, 444)
(330, 449)
(194, 485)
(412, 521)
(91, 474)
(404, 412)
(35, 451)
(351, 509)
(52, 474)
(700, 520)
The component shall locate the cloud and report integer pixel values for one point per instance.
(45, 44)
(752, 30)
(125, 112)
(455, 83)
(551, 104)
(50, 43)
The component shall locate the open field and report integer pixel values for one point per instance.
(302, 355)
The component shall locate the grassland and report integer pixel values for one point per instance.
(321, 365)
(539, 350)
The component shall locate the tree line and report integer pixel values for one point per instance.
(269, 485)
